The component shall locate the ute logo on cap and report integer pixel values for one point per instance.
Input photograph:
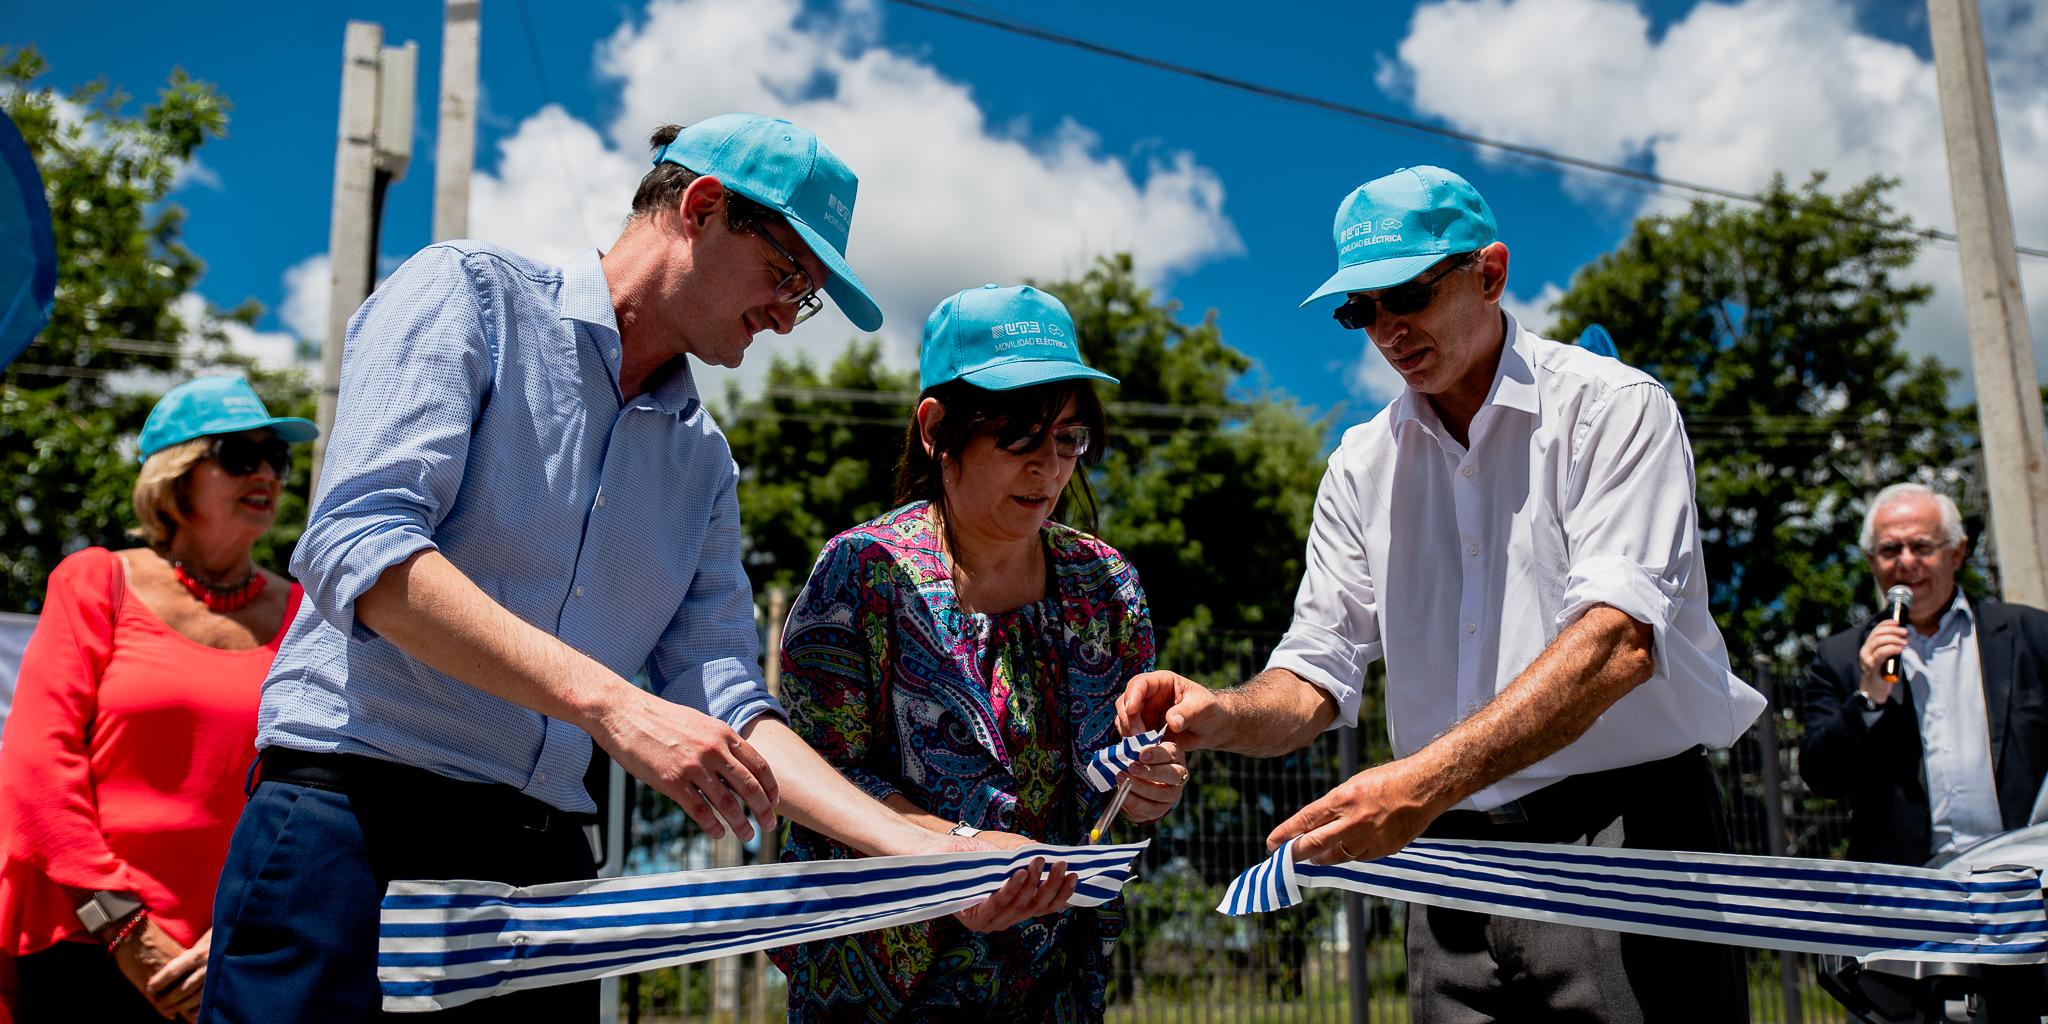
(1045, 334)
(839, 211)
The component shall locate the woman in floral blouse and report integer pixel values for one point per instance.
(960, 657)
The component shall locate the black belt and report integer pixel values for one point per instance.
(1569, 795)
(371, 778)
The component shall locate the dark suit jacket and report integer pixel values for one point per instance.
(1877, 767)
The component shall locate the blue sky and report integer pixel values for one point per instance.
(984, 155)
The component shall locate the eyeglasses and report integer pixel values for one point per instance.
(1067, 442)
(795, 286)
(1404, 299)
(1922, 548)
(238, 455)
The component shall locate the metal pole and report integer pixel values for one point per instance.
(2001, 352)
(1766, 733)
(350, 248)
(1358, 966)
(455, 130)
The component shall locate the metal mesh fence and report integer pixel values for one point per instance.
(1335, 959)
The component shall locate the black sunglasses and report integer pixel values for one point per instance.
(1414, 296)
(239, 456)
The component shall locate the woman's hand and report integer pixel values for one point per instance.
(1157, 781)
(142, 954)
(176, 986)
(1031, 891)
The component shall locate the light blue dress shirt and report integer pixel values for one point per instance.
(480, 415)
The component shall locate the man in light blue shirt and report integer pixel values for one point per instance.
(524, 504)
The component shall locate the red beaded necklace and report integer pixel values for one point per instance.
(218, 597)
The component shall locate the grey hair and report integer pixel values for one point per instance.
(1951, 519)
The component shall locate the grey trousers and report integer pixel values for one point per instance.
(1465, 967)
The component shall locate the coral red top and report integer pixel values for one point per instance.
(123, 762)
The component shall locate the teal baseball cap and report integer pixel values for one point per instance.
(1393, 228)
(214, 405)
(786, 169)
(1000, 339)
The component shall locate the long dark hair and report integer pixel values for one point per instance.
(1014, 414)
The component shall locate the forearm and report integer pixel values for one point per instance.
(1277, 712)
(817, 797)
(433, 612)
(1592, 663)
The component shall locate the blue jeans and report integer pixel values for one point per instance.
(295, 921)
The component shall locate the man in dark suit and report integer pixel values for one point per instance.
(1955, 749)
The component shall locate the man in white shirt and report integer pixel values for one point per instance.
(1953, 747)
(1515, 536)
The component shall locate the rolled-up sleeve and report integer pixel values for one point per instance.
(1628, 513)
(1335, 635)
(709, 657)
(418, 366)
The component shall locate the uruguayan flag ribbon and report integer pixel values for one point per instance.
(1869, 911)
(443, 944)
(1103, 766)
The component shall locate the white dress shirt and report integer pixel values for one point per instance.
(1459, 566)
(1947, 681)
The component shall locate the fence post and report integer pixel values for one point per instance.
(1766, 731)
(1359, 966)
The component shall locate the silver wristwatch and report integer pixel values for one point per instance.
(105, 909)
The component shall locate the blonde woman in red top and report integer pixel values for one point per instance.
(134, 721)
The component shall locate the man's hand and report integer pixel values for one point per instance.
(693, 759)
(1193, 715)
(176, 986)
(1884, 642)
(1368, 816)
(1157, 781)
(146, 951)
(1029, 892)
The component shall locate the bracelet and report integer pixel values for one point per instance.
(127, 929)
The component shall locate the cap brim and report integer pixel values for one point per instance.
(843, 286)
(1372, 276)
(1012, 374)
(292, 428)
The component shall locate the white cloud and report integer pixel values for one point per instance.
(947, 199)
(307, 285)
(1372, 377)
(1733, 92)
(271, 350)
(1534, 312)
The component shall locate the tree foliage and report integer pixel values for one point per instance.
(121, 328)
(1776, 327)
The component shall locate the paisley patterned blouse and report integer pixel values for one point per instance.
(986, 719)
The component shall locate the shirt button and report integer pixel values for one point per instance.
(1471, 627)
(615, 353)
(600, 501)
(1468, 470)
(541, 777)
(1471, 549)
(579, 591)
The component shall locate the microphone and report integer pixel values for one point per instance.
(1900, 598)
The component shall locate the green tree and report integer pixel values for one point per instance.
(1776, 327)
(66, 436)
(817, 454)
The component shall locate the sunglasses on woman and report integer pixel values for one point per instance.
(1406, 299)
(239, 456)
(1069, 442)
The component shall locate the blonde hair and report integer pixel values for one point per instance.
(160, 488)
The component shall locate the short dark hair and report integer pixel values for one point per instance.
(662, 188)
(1014, 414)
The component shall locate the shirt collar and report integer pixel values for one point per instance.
(1514, 383)
(587, 298)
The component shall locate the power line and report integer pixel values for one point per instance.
(1619, 175)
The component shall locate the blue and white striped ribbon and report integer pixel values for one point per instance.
(447, 943)
(1103, 766)
(1868, 911)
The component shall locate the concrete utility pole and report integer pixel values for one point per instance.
(455, 133)
(2001, 351)
(373, 146)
